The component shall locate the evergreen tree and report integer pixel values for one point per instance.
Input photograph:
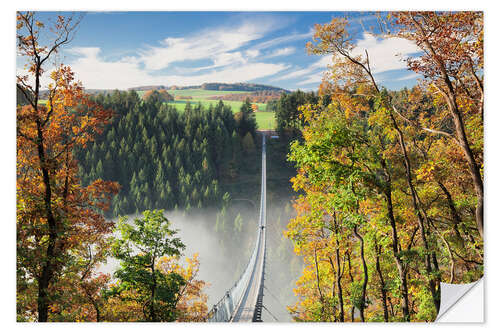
(248, 144)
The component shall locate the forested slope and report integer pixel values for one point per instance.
(164, 158)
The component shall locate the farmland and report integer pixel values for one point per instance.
(265, 120)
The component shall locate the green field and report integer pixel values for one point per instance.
(265, 120)
(202, 96)
(235, 105)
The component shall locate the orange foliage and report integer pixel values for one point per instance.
(161, 94)
(58, 220)
(192, 303)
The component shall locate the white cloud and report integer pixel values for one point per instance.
(224, 59)
(281, 52)
(243, 73)
(410, 76)
(283, 39)
(231, 60)
(313, 78)
(86, 52)
(96, 73)
(252, 53)
(207, 44)
(319, 65)
(223, 46)
(385, 54)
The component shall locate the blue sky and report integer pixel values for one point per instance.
(126, 49)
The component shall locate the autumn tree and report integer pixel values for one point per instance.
(192, 300)
(141, 245)
(79, 295)
(373, 164)
(248, 143)
(57, 218)
(155, 96)
(452, 65)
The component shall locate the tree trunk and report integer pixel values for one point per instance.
(339, 272)
(383, 290)
(474, 171)
(153, 294)
(48, 265)
(339, 286)
(352, 280)
(454, 213)
(473, 168)
(365, 273)
(418, 212)
(321, 298)
(399, 262)
(395, 242)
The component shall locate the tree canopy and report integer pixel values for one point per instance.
(391, 201)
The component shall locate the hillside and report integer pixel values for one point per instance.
(239, 86)
(211, 89)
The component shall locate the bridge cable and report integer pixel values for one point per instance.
(270, 313)
(277, 300)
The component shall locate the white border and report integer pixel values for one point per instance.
(7, 133)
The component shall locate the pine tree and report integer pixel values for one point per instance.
(99, 170)
(248, 144)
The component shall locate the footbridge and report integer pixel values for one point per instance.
(243, 302)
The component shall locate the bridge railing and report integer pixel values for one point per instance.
(225, 308)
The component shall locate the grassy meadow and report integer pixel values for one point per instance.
(265, 120)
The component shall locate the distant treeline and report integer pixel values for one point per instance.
(163, 158)
(215, 86)
(240, 87)
(205, 86)
(262, 96)
(151, 87)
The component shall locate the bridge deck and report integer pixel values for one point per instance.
(246, 309)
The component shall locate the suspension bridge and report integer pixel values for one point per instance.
(243, 302)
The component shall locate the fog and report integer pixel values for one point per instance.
(221, 262)
(224, 255)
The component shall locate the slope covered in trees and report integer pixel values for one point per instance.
(163, 158)
(261, 96)
(239, 87)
